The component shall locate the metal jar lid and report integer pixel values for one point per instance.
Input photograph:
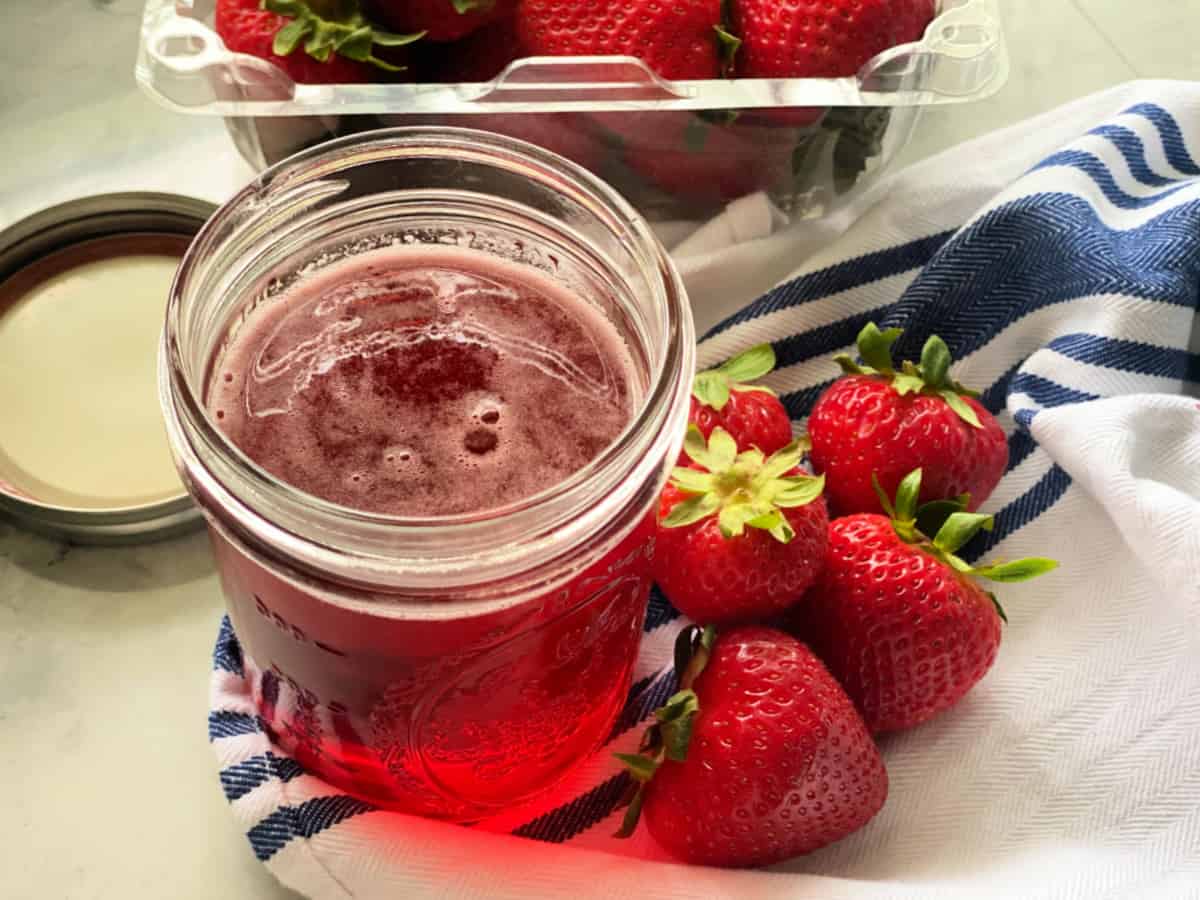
(136, 216)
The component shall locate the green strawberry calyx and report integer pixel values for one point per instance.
(728, 43)
(952, 526)
(671, 734)
(931, 376)
(743, 490)
(713, 387)
(325, 27)
(462, 7)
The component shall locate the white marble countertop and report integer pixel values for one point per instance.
(109, 784)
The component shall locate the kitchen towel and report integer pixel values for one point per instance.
(1060, 260)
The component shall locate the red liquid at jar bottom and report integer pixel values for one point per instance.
(452, 718)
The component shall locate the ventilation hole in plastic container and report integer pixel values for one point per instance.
(966, 35)
(179, 46)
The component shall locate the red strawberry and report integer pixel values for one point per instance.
(567, 134)
(335, 51)
(881, 423)
(701, 163)
(760, 757)
(740, 536)
(897, 617)
(440, 20)
(722, 397)
(479, 57)
(822, 40)
(679, 40)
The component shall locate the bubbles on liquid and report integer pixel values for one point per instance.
(480, 441)
(487, 409)
(400, 460)
(358, 481)
(325, 370)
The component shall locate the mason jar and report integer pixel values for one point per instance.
(441, 665)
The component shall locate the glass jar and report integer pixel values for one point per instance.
(445, 666)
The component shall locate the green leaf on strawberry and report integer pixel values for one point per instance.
(932, 515)
(728, 45)
(931, 376)
(875, 347)
(904, 512)
(959, 528)
(675, 723)
(671, 733)
(952, 527)
(642, 768)
(327, 28)
(1017, 570)
(713, 387)
(744, 490)
(462, 7)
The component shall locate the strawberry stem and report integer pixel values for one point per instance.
(671, 734)
(728, 43)
(692, 649)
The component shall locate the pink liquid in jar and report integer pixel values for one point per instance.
(424, 382)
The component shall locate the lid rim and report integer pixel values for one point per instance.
(59, 227)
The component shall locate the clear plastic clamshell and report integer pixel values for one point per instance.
(676, 148)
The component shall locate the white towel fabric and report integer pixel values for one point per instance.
(1060, 259)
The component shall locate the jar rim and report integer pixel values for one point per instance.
(244, 482)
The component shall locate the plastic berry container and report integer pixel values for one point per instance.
(655, 140)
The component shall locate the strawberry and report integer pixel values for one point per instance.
(567, 134)
(722, 397)
(480, 56)
(758, 758)
(879, 423)
(700, 163)
(679, 40)
(822, 40)
(897, 617)
(338, 49)
(440, 20)
(740, 536)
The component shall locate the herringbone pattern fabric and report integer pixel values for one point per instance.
(1073, 769)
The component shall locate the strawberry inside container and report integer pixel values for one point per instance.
(683, 107)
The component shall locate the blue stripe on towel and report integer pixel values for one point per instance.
(226, 724)
(578, 815)
(239, 780)
(1096, 169)
(1174, 146)
(1133, 150)
(1128, 356)
(835, 279)
(308, 819)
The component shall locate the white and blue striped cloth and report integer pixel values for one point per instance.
(1060, 260)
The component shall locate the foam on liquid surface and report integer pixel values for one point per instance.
(424, 381)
